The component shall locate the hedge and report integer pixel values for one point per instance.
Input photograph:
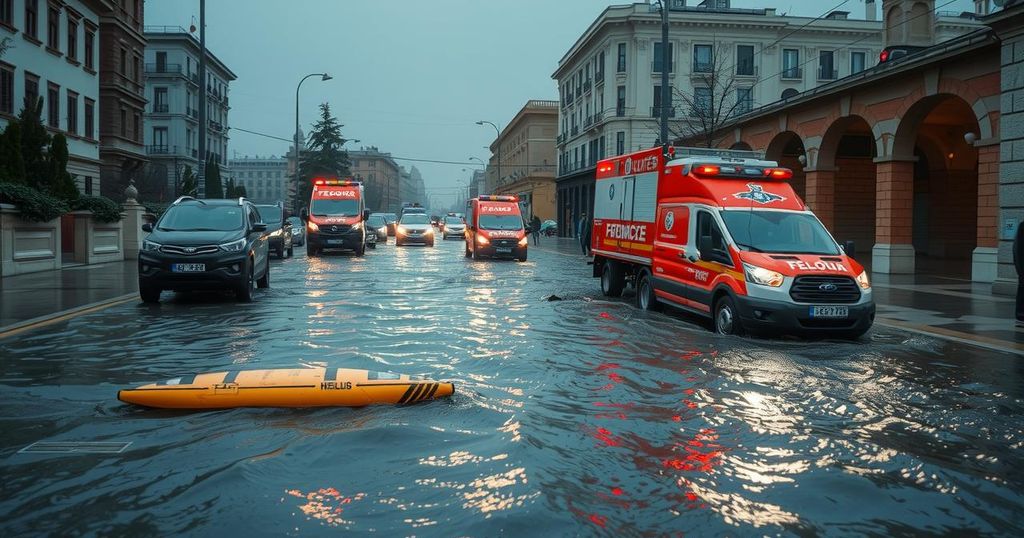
(103, 209)
(33, 205)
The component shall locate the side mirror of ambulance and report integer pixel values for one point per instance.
(304, 214)
(850, 249)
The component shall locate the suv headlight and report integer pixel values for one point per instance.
(234, 246)
(311, 226)
(150, 246)
(862, 281)
(762, 276)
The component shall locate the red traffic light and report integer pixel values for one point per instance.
(884, 56)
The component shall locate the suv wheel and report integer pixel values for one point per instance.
(149, 294)
(264, 281)
(247, 288)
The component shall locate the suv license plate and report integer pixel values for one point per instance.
(188, 267)
(830, 311)
(504, 250)
(335, 241)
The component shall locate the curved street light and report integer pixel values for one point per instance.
(498, 142)
(324, 77)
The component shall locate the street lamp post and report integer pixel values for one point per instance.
(498, 142)
(323, 78)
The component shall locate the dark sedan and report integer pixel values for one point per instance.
(278, 229)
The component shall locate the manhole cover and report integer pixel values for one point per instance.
(76, 447)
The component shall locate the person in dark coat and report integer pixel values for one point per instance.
(535, 230)
(1018, 264)
(583, 234)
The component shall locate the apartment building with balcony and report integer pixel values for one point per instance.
(527, 165)
(265, 179)
(54, 54)
(172, 116)
(381, 177)
(122, 104)
(610, 79)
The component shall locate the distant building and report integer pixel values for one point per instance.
(527, 149)
(412, 189)
(265, 179)
(381, 176)
(56, 57)
(172, 121)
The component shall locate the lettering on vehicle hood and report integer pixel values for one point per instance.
(504, 233)
(799, 264)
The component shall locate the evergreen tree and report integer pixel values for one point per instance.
(214, 189)
(324, 154)
(61, 185)
(12, 165)
(34, 141)
(189, 185)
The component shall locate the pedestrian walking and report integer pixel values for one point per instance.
(583, 234)
(1018, 264)
(535, 230)
(588, 228)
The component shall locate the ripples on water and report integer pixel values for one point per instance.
(576, 416)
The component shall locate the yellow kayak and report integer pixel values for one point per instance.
(288, 387)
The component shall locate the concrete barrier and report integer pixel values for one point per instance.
(25, 246)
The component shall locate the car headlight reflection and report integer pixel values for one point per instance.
(762, 276)
(234, 246)
(150, 246)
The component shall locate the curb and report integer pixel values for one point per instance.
(27, 325)
(994, 344)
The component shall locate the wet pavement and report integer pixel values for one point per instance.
(573, 416)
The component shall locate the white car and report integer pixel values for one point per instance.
(453, 227)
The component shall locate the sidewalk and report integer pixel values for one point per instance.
(945, 307)
(36, 296)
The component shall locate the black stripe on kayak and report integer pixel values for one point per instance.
(416, 393)
(231, 376)
(331, 374)
(423, 393)
(281, 387)
(432, 391)
(408, 392)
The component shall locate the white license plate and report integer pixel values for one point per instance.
(830, 311)
(335, 241)
(504, 250)
(188, 267)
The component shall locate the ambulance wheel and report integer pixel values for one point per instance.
(467, 250)
(361, 251)
(474, 254)
(310, 250)
(612, 279)
(645, 297)
(727, 319)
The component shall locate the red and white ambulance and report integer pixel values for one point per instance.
(336, 216)
(722, 234)
(494, 228)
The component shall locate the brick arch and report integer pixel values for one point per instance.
(829, 145)
(911, 117)
(773, 150)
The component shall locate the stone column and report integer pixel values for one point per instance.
(132, 223)
(820, 192)
(984, 259)
(893, 252)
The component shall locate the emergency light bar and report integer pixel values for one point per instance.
(327, 181)
(711, 171)
(498, 198)
(681, 152)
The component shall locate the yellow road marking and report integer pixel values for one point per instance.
(68, 314)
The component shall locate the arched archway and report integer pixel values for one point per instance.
(789, 92)
(741, 146)
(786, 149)
(945, 206)
(847, 151)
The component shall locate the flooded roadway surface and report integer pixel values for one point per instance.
(579, 416)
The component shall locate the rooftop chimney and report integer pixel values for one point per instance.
(870, 11)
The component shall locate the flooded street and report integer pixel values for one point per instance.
(579, 415)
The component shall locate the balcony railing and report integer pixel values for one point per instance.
(191, 112)
(161, 149)
(575, 131)
(161, 108)
(588, 121)
(792, 73)
(586, 85)
(598, 78)
(598, 116)
(703, 67)
(620, 112)
(194, 77)
(560, 139)
(195, 153)
(827, 74)
(656, 112)
(170, 69)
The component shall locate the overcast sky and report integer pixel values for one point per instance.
(410, 76)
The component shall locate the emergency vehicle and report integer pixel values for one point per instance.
(336, 216)
(722, 234)
(494, 228)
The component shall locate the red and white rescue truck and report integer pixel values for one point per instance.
(722, 234)
(335, 217)
(494, 228)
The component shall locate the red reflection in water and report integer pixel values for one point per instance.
(677, 418)
(607, 437)
(616, 378)
(606, 315)
(598, 520)
(688, 391)
(608, 366)
(616, 491)
(689, 355)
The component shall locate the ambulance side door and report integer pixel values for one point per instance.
(669, 261)
(714, 259)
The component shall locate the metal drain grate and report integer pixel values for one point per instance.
(76, 447)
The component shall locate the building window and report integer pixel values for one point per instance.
(90, 37)
(159, 140)
(160, 101)
(621, 64)
(32, 19)
(6, 89)
(123, 66)
(53, 28)
(658, 52)
(701, 102)
(656, 109)
(138, 128)
(53, 105)
(703, 61)
(745, 60)
(72, 112)
(620, 102)
(744, 100)
(826, 66)
(88, 185)
(599, 67)
(620, 143)
(90, 111)
(7, 13)
(124, 123)
(790, 63)
(857, 60)
(72, 39)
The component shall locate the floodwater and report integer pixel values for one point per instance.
(578, 416)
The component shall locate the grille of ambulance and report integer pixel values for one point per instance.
(505, 242)
(825, 290)
(334, 229)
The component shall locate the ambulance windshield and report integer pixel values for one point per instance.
(780, 232)
(335, 207)
(501, 222)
